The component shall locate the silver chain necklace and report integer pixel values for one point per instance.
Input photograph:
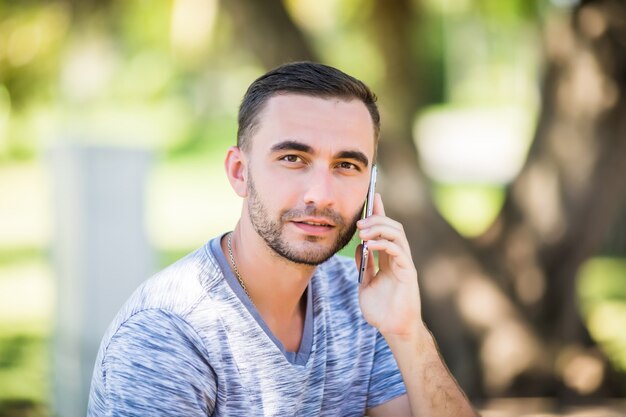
(232, 261)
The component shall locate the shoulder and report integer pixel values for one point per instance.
(177, 288)
(170, 296)
(157, 328)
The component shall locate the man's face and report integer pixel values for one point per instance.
(308, 170)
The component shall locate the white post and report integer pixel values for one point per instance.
(101, 253)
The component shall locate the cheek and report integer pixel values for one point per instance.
(353, 200)
(360, 191)
(277, 195)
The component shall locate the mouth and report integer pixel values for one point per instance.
(314, 226)
(315, 222)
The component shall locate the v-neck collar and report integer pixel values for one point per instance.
(306, 344)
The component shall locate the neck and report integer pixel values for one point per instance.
(274, 284)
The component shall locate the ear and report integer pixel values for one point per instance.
(236, 170)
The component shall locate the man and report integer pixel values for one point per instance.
(266, 320)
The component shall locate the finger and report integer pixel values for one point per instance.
(376, 219)
(379, 208)
(381, 228)
(393, 250)
(383, 260)
(385, 231)
(379, 219)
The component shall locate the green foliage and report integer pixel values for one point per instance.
(142, 61)
(24, 367)
(32, 36)
(602, 279)
(212, 138)
(142, 24)
(469, 208)
(14, 255)
(602, 296)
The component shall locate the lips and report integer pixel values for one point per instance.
(315, 222)
(314, 226)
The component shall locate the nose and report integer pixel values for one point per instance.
(319, 189)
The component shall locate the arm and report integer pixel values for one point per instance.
(390, 301)
(432, 391)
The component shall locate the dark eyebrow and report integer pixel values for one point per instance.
(356, 155)
(291, 145)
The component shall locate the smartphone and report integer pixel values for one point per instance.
(367, 211)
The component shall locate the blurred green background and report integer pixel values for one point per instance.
(166, 76)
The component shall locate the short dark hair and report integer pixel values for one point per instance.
(306, 78)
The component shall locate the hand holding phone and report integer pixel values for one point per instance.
(369, 207)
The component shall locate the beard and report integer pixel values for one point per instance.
(309, 253)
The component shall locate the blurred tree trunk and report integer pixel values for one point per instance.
(503, 306)
(267, 30)
(570, 192)
(435, 245)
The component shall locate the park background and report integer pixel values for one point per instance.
(503, 153)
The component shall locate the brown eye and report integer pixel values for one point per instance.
(347, 165)
(291, 158)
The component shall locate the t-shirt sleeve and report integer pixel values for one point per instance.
(386, 381)
(156, 365)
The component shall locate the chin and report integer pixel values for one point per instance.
(308, 254)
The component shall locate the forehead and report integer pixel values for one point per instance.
(320, 122)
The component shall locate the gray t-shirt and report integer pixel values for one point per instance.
(190, 343)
